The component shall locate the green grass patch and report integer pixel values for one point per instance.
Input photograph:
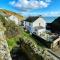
(12, 42)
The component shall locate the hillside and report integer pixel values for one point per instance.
(8, 13)
(56, 25)
(4, 51)
(21, 44)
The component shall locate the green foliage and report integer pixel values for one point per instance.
(12, 29)
(12, 42)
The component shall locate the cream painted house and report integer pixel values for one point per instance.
(35, 24)
(15, 19)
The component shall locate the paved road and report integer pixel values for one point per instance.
(57, 52)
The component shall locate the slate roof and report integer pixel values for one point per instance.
(32, 18)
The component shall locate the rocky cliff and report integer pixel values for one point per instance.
(4, 51)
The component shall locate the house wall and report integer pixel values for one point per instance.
(55, 43)
(13, 18)
(26, 23)
(41, 21)
(28, 26)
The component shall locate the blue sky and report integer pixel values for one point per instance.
(32, 7)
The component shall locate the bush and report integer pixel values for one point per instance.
(12, 29)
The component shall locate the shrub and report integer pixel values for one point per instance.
(12, 29)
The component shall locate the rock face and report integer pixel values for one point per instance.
(4, 51)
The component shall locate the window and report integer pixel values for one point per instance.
(35, 29)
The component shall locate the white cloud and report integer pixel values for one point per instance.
(30, 4)
(43, 4)
(12, 2)
(18, 5)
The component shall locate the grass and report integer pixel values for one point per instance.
(12, 41)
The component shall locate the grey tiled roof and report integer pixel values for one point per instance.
(32, 18)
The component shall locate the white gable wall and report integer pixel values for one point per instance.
(40, 21)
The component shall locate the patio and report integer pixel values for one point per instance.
(48, 36)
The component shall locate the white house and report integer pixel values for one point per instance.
(35, 24)
(15, 19)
